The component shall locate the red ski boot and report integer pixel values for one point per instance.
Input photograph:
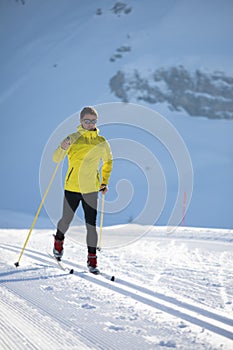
(92, 263)
(58, 249)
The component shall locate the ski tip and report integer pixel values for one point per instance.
(17, 264)
(113, 278)
(71, 271)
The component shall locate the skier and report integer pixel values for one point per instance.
(85, 150)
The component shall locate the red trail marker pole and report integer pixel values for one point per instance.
(184, 209)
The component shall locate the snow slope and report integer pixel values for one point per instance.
(170, 291)
(55, 59)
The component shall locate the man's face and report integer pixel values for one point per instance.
(88, 122)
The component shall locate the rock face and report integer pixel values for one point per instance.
(198, 93)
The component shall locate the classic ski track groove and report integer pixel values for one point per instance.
(9, 333)
(25, 330)
(190, 313)
(83, 334)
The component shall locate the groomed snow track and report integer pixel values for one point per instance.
(25, 320)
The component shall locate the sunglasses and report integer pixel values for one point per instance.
(90, 121)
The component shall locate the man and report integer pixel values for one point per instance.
(85, 150)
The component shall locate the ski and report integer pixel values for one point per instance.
(107, 277)
(104, 275)
(61, 265)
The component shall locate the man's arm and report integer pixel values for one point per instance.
(60, 153)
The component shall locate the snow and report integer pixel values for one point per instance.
(173, 286)
(170, 290)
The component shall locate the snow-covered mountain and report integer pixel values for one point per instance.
(57, 57)
(198, 94)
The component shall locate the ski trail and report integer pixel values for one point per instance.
(22, 323)
(203, 318)
(55, 314)
(208, 320)
(12, 333)
(93, 332)
(72, 329)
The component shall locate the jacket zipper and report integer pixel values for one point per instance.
(69, 174)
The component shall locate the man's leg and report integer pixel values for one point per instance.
(70, 204)
(89, 204)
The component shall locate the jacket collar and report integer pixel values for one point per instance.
(89, 134)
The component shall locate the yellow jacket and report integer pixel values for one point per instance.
(85, 153)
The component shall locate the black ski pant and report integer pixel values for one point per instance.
(70, 204)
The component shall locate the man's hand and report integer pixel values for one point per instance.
(66, 143)
(104, 188)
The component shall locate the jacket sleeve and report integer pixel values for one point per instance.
(60, 153)
(107, 164)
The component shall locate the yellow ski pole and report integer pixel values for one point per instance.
(37, 213)
(101, 222)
